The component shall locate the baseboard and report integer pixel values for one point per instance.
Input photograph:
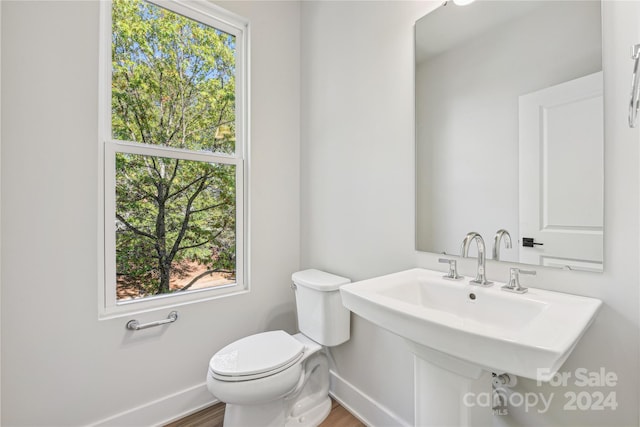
(362, 406)
(185, 402)
(164, 410)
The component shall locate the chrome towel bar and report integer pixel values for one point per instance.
(634, 104)
(134, 325)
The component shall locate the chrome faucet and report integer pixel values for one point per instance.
(502, 233)
(481, 278)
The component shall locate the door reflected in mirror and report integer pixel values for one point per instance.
(509, 130)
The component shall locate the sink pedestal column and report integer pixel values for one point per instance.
(448, 392)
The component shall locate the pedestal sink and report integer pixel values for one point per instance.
(460, 333)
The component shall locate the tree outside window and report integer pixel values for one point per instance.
(173, 94)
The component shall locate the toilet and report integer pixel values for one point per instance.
(274, 379)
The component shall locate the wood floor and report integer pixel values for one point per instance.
(340, 417)
(213, 416)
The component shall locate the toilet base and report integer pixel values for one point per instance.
(267, 415)
(273, 415)
(312, 417)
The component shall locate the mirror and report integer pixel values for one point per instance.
(509, 130)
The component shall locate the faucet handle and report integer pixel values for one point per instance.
(514, 280)
(453, 269)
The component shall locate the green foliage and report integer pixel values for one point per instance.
(173, 85)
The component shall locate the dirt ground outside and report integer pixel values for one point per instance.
(185, 273)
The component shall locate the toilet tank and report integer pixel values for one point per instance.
(321, 315)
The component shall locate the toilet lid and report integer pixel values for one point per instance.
(249, 357)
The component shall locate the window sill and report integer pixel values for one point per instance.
(169, 301)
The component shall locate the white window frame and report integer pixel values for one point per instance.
(216, 17)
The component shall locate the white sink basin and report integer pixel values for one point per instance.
(529, 334)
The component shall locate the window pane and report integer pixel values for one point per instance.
(175, 225)
(173, 80)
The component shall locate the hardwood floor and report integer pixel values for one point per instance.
(213, 416)
(340, 417)
(208, 417)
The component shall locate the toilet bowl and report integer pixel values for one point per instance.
(292, 389)
(274, 379)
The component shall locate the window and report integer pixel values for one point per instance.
(173, 153)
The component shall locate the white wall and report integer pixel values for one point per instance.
(467, 106)
(0, 208)
(60, 365)
(357, 168)
(358, 197)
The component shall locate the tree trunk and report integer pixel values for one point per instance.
(165, 277)
(164, 264)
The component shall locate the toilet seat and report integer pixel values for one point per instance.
(256, 356)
